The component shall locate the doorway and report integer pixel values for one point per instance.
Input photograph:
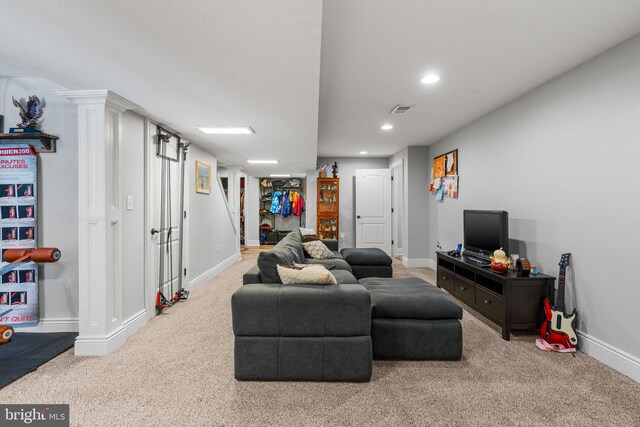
(373, 209)
(166, 217)
(397, 204)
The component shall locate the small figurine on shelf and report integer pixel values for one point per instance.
(334, 169)
(30, 114)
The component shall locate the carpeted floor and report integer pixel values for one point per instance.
(179, 371)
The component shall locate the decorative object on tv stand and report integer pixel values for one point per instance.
(334, 169)
(523, 267)
(29, 115)
(445, 179)
(499, 261)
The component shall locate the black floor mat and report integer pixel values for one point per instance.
(27, 351)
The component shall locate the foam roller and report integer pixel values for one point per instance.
(36, 255)
(45, 255)
(10, 255)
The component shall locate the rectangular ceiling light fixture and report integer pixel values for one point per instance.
(263, 162)
(227, 130)
(280, 175)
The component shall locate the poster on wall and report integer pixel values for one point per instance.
(18, 225)
(450, 186)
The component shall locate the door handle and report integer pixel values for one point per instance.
(358, 216)
(154, 231)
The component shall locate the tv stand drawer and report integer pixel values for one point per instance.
(445, 279)
(490, 303)
(465, 290)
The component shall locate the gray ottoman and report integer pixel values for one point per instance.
(411, 319)
(368, 262)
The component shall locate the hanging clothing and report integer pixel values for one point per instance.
(286, 204)
(294, 202)
(275, 203)
(299, 206)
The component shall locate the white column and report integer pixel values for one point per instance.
(234, 199)
(99, 220)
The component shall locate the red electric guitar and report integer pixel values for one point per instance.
(558, 328)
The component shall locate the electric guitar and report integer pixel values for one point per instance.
(558, 328)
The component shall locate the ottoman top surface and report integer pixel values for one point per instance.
(409, 298)
(365, 256)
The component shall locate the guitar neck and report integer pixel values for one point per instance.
(560, 296)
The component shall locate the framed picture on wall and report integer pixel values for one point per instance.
(203, 178)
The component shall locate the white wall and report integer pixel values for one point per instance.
(212, 240)
(563, 161)
(57, 199)
(134, 234)
(414, 214)
(347, 172)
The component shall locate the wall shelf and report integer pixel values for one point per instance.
(41, 142)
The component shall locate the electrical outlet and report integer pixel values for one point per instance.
(129, 203)
(342, 237)
(438, 245)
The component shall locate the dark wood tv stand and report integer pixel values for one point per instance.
(510, 301)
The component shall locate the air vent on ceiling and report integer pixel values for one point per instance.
(401, 109)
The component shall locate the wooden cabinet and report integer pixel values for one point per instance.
(510, 301)
(328, 208)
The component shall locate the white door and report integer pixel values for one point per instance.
(373, 209)
(165, 216)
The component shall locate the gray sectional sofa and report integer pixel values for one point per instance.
(333, 332)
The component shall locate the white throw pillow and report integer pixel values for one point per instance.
(317, 250)
(312, 274)
(307, 231)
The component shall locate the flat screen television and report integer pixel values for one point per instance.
(484, 232)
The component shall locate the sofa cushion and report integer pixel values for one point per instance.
(331, 263)
(365, 256)
(317, 250)
(306, 273)
(409, 298)
(301, 310)
(293, 241)
(268, 263)
(344, 277)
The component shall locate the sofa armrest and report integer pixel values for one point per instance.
(332, 244)
(272, 309)
(252, 276)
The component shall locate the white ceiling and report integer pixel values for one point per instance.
(187, 63)
(488, 52)
(261, 63)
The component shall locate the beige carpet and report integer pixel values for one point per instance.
(178, 371)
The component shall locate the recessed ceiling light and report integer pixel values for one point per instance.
(363, 152)
(386, 127)
(227, 130)
(430, 79)
(280, 175)
(264, 162)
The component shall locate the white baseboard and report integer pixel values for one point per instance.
(252, 243)
(213, 272)
(611, 356)
(136, 322)
(432, 264)
(415, 262)
(51, 325)
(107, 344)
